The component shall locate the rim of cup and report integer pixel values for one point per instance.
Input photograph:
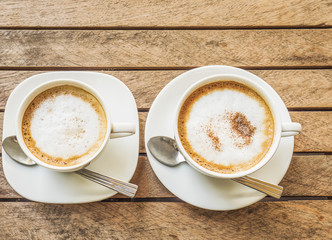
(261, 92)
(35, 92)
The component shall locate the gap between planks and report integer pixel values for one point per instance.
(281, 27)
(166, 68)
(175, 199)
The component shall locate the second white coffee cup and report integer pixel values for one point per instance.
(281, 129)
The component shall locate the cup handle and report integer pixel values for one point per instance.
(290, 129)
(122, 129)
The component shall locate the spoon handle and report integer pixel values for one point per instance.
(127, 189)
(264, 187)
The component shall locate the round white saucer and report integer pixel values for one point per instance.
(119, 158)
(190, 185)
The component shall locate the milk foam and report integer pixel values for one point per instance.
(212, 111)
(65, 126)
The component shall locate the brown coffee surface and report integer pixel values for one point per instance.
(240, 128)
(51, 94)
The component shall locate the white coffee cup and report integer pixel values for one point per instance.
(281, 129)
(114, 129)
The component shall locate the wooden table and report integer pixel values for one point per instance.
(146, 44)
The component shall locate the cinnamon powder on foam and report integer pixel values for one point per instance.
(240, 126)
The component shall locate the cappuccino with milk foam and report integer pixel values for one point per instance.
(64, 126)
(226, 127)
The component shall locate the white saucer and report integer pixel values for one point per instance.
(188, 184)
(119, 159)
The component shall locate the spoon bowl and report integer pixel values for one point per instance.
(165, 150)
(13, 149)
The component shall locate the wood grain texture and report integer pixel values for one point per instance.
(309, 175)
(297, 88)
(165, 48)
(278, 220)
(157, 13)
(301, 179)
(316, 135)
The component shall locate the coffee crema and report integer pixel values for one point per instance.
(64, 126)
(225, 127)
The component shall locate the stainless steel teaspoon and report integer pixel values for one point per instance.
(165, 150)
(13, 149)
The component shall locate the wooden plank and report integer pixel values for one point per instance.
(315, 137)
(297, 88)
(165, 48)
(306, 176)
(157, 13)
(279, 220)
(142, 121)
